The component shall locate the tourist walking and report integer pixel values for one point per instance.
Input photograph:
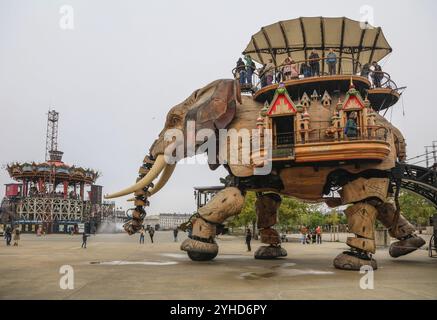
(16, 236)
(304, 231)
(84, 239)
(151, 233)
(331, 60)
(319, 234)
(248, 239)
(175, 234)
(142, 234)
(8, 235)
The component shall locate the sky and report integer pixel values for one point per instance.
(114, 76)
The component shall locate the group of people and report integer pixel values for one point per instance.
(375, 72)
(311, 235)
(151, 232)
(291, 70)
(245, 70)
(288, 70)
(12, 233)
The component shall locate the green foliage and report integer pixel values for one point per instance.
(292, 213)
(247, 216)
(416, 209)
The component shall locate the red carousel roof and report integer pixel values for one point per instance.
(51, 169)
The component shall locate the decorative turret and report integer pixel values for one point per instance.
(305, 100)
(326, 99)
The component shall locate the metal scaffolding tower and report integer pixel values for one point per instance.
(52, 152)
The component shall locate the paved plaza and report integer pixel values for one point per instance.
(116, 266)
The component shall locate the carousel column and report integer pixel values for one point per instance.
(24, 188)
(65, 189)
(82, 191)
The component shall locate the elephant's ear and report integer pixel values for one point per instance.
(219, 110)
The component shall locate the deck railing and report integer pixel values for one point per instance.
(378, 79)
(329, 134)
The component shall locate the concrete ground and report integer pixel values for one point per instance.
(116, 266)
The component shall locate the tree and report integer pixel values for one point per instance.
(247, 216)
(415, 208)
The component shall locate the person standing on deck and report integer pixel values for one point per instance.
(250, 68)
(269, 71)
(314, 63)
(241, 71)
(377, 74)
(331, 60)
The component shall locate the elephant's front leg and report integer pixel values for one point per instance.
(267, 206)
(201, 244)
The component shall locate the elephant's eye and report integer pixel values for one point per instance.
(174, 121)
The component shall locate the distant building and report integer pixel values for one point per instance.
(169, 221)
(152, 221)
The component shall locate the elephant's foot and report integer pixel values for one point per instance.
(199, 250)
(270, 252)
(405, 246)
(201, 245)
(354, 260)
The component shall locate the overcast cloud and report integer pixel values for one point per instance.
(114, 77)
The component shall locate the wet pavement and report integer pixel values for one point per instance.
(116, 266)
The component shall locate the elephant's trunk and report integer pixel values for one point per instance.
(157, 168)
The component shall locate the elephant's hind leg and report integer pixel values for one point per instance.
(400, 229)
(200, 244)
(365, 195)
(267, 206)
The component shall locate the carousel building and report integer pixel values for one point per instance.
(54, 196)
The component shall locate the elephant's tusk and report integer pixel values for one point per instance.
(165, 176)
(158, 166)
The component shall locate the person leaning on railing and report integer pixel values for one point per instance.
(262, 75)
(289, 69)
(377, 74)
(314, 63)
(269, 71)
